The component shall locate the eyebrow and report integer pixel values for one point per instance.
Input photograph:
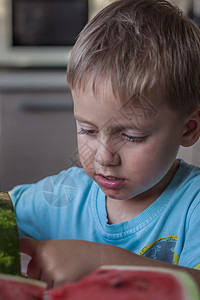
(79, 119)
(114, 128)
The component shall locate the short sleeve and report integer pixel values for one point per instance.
(38, 206)
(49, 208)
(190, 254)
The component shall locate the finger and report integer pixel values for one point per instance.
(28, 245)
(47, 276)
(34, 270)
(49, 281)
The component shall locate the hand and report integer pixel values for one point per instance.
(59, 261)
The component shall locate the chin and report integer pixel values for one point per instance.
(114, 194)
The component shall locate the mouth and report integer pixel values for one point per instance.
(110, 182)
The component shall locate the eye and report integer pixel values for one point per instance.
(134, 139)
(87, 132)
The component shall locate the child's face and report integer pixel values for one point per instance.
(129, 149)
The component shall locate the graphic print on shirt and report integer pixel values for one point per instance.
(197, 267)
(163, 249)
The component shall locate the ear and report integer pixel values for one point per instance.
(191, 130)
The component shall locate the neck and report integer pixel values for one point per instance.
(119, 211)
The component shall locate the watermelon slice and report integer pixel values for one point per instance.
(9, 243)
(129, 283)
(19, 288)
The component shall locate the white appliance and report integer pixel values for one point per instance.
(41, 32)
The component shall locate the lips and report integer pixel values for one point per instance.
(110, 182)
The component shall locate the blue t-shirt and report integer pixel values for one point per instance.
(70, 205)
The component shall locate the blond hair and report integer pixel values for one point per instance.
(140, 45)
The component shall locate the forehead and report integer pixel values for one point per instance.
(100, 93)
(107, 87)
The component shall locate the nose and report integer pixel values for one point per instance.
(105, 156)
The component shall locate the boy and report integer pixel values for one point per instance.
(134, 73)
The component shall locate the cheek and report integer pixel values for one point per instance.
(156, 163)
(138, 163)
(86, 153)
(150, 162)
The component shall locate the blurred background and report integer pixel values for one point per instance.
(37, 129)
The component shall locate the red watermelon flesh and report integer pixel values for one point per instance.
(127, 284)
(19, 288)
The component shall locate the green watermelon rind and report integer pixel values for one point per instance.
(9, 243)
(190, 287)
(21, 279)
